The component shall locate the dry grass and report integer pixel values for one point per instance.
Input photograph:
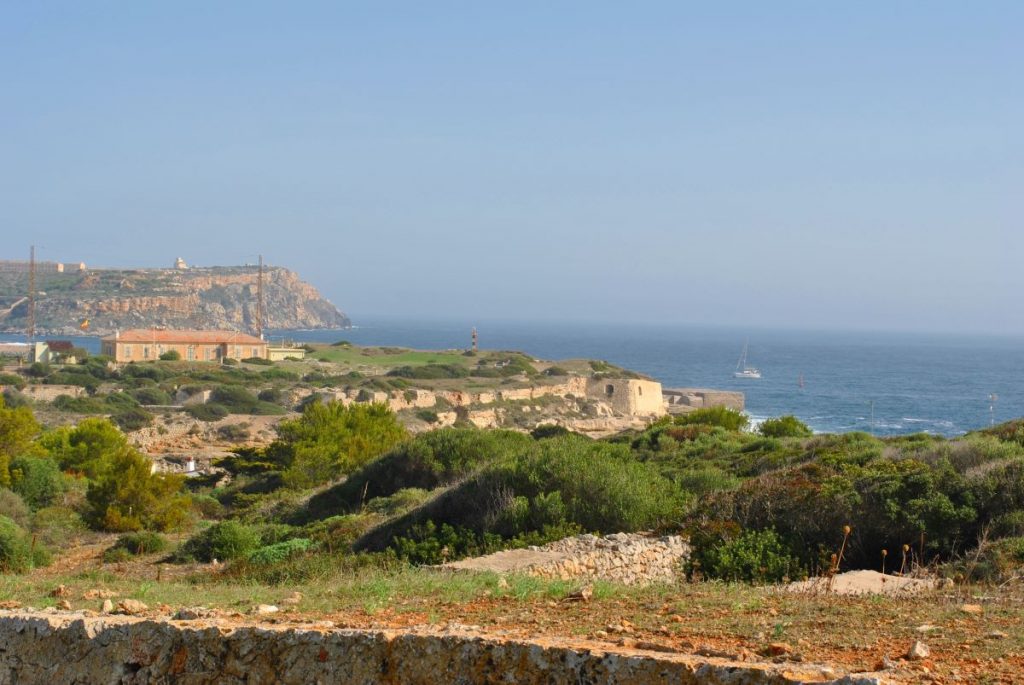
(851, 633)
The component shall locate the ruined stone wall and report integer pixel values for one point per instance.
(629, 396)
(38, 647)
(680, 400)
(48, 393)
(627, 558)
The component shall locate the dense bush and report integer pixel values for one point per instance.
(784, 427)
(18, 430)
(56, 527)
(427, 461)
(726, 418)
(751, 556)
(223, 541)
(430, 371)
(554, 484)
(170, 356)
(126, 495)
(16, 553)
(260, 361)
(37, 480)
(280, 551)
(233, 432)
(271, 395)
(14, 507)
(239, 400)
(330, 440)
(13, 380)
(152, 395)
(133, 544)
(132, 419)
(211, 411)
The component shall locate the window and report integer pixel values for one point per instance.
(254, 353)
(609, 389)
(127, 351)
(191, 353)
(145, 352)
(639, 391)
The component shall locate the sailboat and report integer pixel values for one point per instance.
(742, 370)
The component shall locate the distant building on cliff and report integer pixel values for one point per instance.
(179, 263)
(147, 344)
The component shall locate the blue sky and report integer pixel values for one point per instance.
(791, 164)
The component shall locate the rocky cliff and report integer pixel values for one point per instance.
(212, 297)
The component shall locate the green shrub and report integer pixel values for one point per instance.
(135, 544)
(726, 418)
(14, 399)
(430, 371)
(211, 411)
(753, 556)
(13, 380)
(785, 427)
(207, 506)
(152, 395)
(427, 415)
(134, 419)
(233, 432)
(260, 361)
(228, 361)
(271, 395)
(555, 371)
(223, 541)
(330, 440)
(280, 552)
(57, 527)
(38, 370)
(16, 553)
(427, 461)
(37, 480)
(170, 356)
(13, 507)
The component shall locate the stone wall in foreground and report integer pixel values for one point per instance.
(71, 648)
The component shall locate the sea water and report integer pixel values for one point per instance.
(884, 383)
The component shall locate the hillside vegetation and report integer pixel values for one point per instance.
(349, 483)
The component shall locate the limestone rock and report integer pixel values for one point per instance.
(918, 651)
(130, 607)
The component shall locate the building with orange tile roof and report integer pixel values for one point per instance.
(147, 344)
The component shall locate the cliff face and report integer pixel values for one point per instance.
(214, 297)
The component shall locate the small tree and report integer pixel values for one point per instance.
(330, 440)
(18, 429)
(127, 495)
(171, 356)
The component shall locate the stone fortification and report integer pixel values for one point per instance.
(631, 559)
(682, 400)
(73, 648)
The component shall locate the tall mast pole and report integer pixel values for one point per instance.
(259, 303)
(32, 295)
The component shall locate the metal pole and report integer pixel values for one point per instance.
(32, 295)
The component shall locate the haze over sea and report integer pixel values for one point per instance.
(938, 383)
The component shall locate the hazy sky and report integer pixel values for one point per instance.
(813, 164)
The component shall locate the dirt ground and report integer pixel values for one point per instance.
(972, 635)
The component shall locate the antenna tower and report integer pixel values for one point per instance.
(259, 302)
(32, 295)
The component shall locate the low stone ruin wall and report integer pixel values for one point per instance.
(631, 559)
(73, 648)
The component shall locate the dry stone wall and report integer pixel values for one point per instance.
(75, 648)
(631, 559)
